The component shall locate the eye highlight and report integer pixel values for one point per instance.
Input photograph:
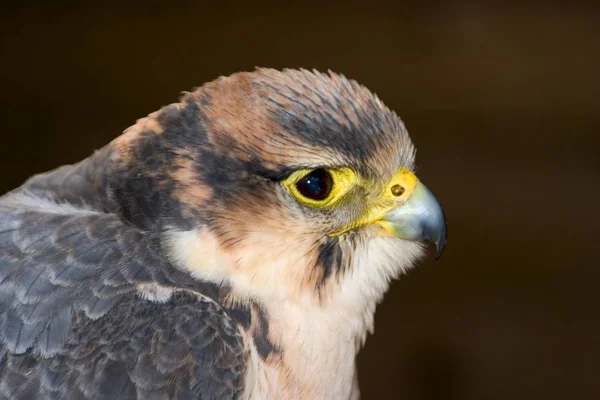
(320, 187)
(316, 185)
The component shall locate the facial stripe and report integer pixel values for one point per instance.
(330, 258)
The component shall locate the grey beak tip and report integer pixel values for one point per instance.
(440, 244)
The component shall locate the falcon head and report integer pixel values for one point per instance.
(291, 186)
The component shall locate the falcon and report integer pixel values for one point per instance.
(232, 245)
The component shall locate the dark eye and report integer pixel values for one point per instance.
(316, 185)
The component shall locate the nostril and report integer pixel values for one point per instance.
(397, 190)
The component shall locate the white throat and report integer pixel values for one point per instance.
(318, 343)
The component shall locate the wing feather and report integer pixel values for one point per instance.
(71, 322)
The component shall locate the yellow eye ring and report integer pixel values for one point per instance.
(320, 187)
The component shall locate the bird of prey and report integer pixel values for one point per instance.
(232, 245)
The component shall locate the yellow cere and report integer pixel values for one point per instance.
(390, 199)
(397, 191)
(385, 201)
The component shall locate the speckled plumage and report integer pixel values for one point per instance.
(71, 322)
(172, 263)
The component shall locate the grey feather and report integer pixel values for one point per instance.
(51, 338)
(18, 335)
(71, 322)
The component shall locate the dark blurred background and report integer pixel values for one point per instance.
(502, 103)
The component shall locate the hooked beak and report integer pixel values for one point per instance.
(419, 218)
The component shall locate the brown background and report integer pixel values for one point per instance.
(501, 102)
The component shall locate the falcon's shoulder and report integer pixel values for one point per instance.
(56, 259)
(184, 348)
(72, 318)
(84, 184)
